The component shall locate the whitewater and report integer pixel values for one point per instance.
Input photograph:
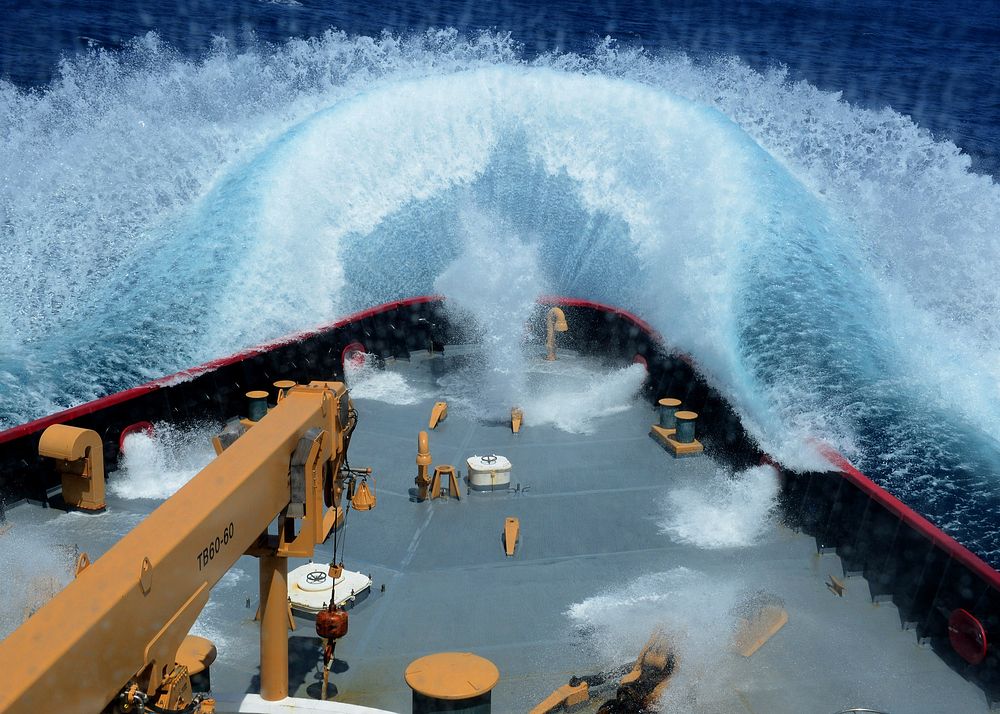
(830, 269)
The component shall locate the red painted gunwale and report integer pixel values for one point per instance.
(941, 540)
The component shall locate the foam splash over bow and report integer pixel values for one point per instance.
(695, 612)
(367, 381)
(492, 286)
(164, 211)
(38, 562)
(732, 511)
(156, 466)
(577, 405)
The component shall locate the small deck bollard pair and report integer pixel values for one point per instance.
(676, 431)
(257, 405)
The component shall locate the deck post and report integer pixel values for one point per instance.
(273, 627)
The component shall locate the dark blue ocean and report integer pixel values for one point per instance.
(935, 62)
(799, 195)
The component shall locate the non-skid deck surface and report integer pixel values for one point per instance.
(589, 508)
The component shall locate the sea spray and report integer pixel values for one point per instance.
(39, 559)
(728, 511)
(36, 566)
(829, 269)
(572, 394)
(367, 381)
(494, 284)
(577, 405)
(694, 611)
(155, 465)
(230, 641)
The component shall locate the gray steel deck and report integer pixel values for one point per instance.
(589, 507)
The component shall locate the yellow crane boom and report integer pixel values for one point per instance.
(118, 626)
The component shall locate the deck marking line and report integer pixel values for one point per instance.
(387, 492)
(463, 447)
(590, 442)
(411, 549)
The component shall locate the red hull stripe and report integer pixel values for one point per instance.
(941, 540)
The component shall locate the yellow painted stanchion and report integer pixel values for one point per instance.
(440, 471)
(555, 321)
(511, 535)
(438, 414)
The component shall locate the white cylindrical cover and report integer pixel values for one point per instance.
(488, 471)
(309, 586)
(490, 462)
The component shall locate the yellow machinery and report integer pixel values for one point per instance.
(639, 690)
(79, 457)
(649, 677)
(423, 479)
(459, 682)
(112, 636)
(511, 534)
(442, 471)
(566, 697)
(555, 321)
(516, 417)
(438, 414)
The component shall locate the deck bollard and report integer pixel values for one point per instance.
(668, 411)
(256, 405)
(452, 682)
(685, 426)
(283, 385)
(79, 458)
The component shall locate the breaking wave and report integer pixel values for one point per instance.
(830, 269)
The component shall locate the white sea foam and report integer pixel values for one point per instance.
(212, 623)
(730, 511)
(572, 394)
(155, 466)
(367, 381)
(696, 613)
(790, 243)
(579, 408)
(491, 286)
(38, 559)
(35, 567)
